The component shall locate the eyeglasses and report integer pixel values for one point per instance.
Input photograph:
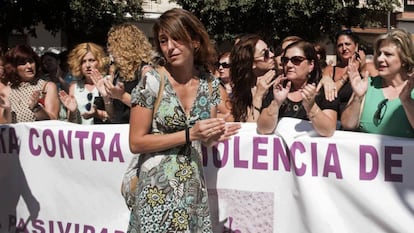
(225, 65)
(266, 53)
(88, 106)
(381, 109)
(296, 60)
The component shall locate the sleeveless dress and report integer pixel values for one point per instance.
(383, 116)
(20, 98)
(82, 100)
(171, 192)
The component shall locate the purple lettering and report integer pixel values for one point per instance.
(219, 163)
(88, 228)
(22, 226)
(97, 143)
(390, 163)
(259, 152)
(81, 135)
(314, 157)
(364, 151)
(48, 134)
(38, 225)
(66, 229)
(332, 155)
(238, 163)
(51, 227)
(104, 230)
(297, 146)
(115, 149)
(34, 151)
(279, 151)
(65, 144)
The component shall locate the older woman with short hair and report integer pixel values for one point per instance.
(384, 104)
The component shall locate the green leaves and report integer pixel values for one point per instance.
(275, 19)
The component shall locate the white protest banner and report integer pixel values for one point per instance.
(62, 177)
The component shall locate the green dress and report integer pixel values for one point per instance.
(172, 194)
(383, 116)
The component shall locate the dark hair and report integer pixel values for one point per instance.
(182, 25)
(320, 49)
(310, 54)
(17, 55)
(242, 75)
(349, 33)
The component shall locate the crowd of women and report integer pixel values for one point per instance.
(179, 95)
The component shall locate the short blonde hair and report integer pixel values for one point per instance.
(402, 39)
(76, 55)
(130, 47)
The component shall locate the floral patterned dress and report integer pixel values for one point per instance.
(172, 195)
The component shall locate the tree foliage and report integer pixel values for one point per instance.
(276, 19)
(81, 19)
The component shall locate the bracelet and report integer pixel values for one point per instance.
(187, 135)
(258, 109)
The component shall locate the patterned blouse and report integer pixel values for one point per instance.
(20, 98)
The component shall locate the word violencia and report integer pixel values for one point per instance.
(42, 226)
(70, 144)
(303, 160)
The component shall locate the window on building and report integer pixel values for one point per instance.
(408, 5)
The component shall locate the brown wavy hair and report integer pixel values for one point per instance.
(130, 47)
(76, 55)
(16, 55)
(242, 75)
(182, 25)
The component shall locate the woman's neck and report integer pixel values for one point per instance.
(181, 75)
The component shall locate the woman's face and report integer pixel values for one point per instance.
(295, 64)
(388, 61)
(224, 68)
(89, 63)
(263, 57)
(345, 47)
(50, 63)
(26, 69)
(175, 51)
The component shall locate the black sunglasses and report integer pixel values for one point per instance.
(381, 109)
(266, 53)
(225, 65)
(88, 106)
(296, 60)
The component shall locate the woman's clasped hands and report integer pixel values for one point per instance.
(213, 130)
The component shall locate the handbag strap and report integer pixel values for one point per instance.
(162, 73)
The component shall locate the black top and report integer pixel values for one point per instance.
(290, 108)
(122, 111)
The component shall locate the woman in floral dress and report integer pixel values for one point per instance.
(172, 194)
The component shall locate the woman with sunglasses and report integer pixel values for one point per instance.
(25, 96)
(252, 70)
(295, 93)
(223, 73)
(84, 103)
(384, 104)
